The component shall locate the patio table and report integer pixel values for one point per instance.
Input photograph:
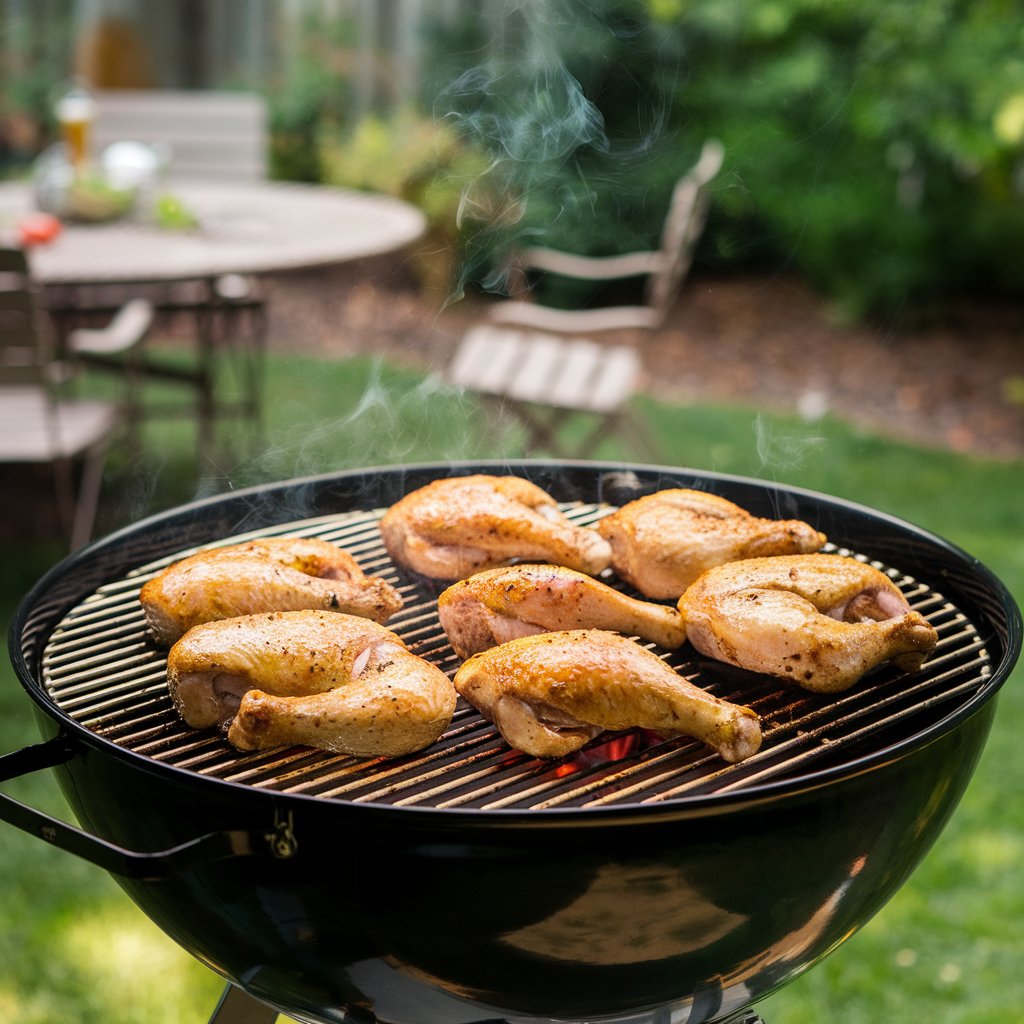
(245, 229)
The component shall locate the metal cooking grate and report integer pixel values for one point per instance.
(101, 668)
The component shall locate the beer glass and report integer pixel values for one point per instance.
(75, 112)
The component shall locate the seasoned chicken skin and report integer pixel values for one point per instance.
(275, 574)
(323, 679)
(819, 620)
(454, 527)
(518, 600)
(550, 693)
(662, 542)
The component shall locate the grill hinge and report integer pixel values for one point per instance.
(281, 840)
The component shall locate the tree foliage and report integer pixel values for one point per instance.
(875, 148)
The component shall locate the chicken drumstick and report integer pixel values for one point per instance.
(550, 693)
(323, 679)
(662, 542)
(275, 574)
(512, 601)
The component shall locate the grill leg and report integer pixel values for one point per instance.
(238, 1007)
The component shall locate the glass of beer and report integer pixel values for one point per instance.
(75, 112)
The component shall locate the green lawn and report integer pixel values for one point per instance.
(73, 948)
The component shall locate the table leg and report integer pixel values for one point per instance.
(206, 330)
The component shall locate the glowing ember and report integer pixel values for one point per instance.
(616, 748)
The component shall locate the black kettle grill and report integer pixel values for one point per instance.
(638, 880)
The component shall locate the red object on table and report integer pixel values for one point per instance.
(38, 229)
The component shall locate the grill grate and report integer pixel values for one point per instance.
(101, 669)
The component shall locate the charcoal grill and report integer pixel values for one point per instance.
(636, 880)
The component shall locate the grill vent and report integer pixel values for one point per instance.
(101, 669)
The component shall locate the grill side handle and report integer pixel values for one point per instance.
(115, 859)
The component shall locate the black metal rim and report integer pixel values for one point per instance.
(680, 807)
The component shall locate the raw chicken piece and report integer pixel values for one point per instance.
(662, 542)
(550, 693)
(323, 679)
(501, 604)
(819, 620)
(454, 527)
(275, 574)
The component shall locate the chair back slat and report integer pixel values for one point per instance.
(663, 270)
(23, 338)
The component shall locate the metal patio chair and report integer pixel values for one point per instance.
(39, 424)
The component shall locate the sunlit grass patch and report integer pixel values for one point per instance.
(124, 959)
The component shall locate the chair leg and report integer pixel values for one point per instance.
(77, 506)
(604, 426)
(253, 369)
(88, 501)
(63, 470)
(133, 399)
(644, 439)
(542, 426)
(494, 427)
(206, 329)
(240, 347)
(260, 366)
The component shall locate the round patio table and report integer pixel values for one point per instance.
(241, 230)
(248, 228)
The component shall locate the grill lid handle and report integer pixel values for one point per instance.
(119, 861)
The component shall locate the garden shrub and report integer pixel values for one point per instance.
(876, 149)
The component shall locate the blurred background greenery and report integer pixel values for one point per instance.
(876, 149)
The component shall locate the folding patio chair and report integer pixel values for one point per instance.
(544, 381)
(663, 269)
(538, 362)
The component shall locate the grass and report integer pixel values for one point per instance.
(946, 949)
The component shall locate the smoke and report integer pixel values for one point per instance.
(530, 116)
(395, 419)
(779, 450)
(532, 113)
(569, 106)
(559, 102)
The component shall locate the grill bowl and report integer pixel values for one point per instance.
(634, 876)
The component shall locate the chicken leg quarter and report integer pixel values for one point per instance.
(550, 693)
(819, 620)
(662, 542)
(454, 527)
(323, 679)
(274, 574)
